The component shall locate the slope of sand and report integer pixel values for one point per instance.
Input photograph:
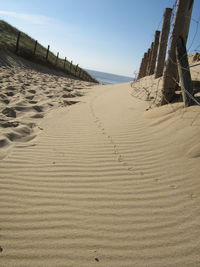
(150, 89)
(27, 93)
(104, 183)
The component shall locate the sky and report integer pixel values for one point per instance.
(103, 35)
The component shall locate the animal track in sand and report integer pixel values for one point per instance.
(99, 124)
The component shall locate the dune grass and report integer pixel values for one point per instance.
(26, 49)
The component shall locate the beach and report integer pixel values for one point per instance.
(91, 176)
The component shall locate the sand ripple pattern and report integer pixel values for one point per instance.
(95, 190)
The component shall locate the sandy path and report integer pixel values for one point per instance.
(100, 186)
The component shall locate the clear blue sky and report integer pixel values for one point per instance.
(104, 35)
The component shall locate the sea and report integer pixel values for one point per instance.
(108, 78)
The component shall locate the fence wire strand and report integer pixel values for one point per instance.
(150, 89)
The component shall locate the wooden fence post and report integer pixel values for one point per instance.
(143, 74)
(47, 54)
(70, 68)
(184, 72)
(140, 70)
(65, 62)
(143, 67)
(76, 68)
(35, 47)
(181, 28)
(79, 72)
(149, 59)
(57, 58)
(17, 43)
(154, 53)
(163, 42)
(147, 62)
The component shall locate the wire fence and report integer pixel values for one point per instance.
(151, 89)
(31, 49)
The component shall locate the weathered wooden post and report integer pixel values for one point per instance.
(70, 67)
(149, 59)
(143, 72)
(163, 43)
(147, 62)
(17, 43)
(143, 67)
(47, 54)
(79, 72)
(184, 72)
(57, 58)
(140, 70)
(35, 47)
(65, 62)
(84, 76)
(154, 53)
(181, 28)
(76, 68)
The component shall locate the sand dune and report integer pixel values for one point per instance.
(28, 93)
(104, 183)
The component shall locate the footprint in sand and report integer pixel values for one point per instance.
(38, 108)
(27, 84)
(33, 102)
(11, 88)
(65, 96)
(67, 89)
(10, 93)
(5, 101)
(32, 91)
(29, 97)
(9, 112)
(13, 136)
(7, 124)
(68, 103)
(37, 116)
(3, 142)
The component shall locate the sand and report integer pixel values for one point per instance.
(103, 183)
(28, 93)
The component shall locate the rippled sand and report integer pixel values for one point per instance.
(103, 183)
